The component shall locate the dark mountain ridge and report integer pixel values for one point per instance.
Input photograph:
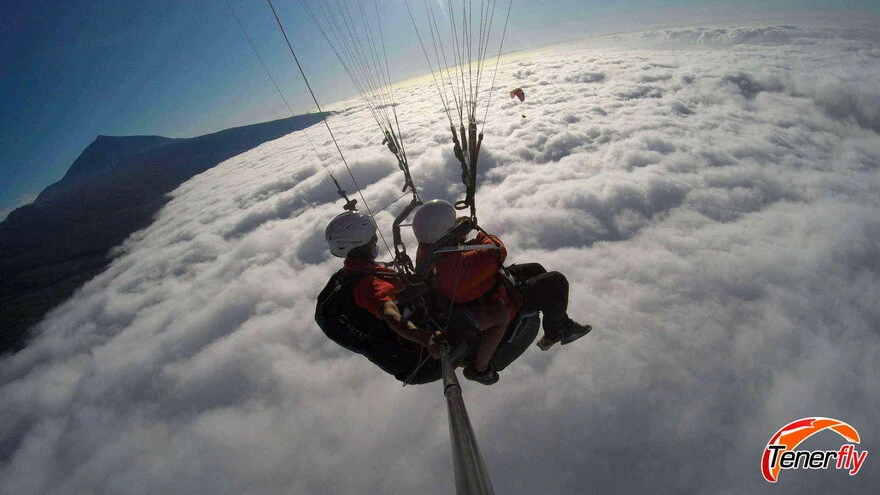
(51, 247)
(105, 153)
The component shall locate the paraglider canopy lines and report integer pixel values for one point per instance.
(347, 43)
(324, 118)
(394, 107)
(339, 189)
(353, 36)
(469, 48)
(470, 34)
(497, 60)
(458, 64)
(441, 89)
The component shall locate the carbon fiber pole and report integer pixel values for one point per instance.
(471, 476)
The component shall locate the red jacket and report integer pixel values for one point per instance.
(468, 275)
(373, 290)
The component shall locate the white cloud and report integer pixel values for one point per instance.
(714, 207)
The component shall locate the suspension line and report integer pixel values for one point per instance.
(349, 203)
(324, 118)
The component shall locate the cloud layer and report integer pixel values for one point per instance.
(713, 204)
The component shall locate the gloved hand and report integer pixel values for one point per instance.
(436, 344)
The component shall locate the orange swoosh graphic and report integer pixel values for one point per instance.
(792, 434)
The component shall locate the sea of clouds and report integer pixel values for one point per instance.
(712, 194)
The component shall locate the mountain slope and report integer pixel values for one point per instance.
(49, 248)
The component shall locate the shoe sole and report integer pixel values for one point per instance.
(483, 379)
(484, 382)
(568, 339)
(545, 344)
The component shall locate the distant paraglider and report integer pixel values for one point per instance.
(518, 93)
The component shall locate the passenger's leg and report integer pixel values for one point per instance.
(493, 318)
(549, 293)
(523, 273)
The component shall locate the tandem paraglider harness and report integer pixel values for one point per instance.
(455, 319)
(358, 330)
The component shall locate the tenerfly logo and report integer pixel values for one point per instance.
(780, 452)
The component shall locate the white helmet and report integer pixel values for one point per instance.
(348, 231)
(432, 220)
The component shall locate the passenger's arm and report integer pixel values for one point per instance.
(390, 314)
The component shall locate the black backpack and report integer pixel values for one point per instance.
(358, 330)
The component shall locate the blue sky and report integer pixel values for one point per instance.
(71, 70)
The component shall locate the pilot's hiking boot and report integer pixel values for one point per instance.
(487, 377)
(567, 333)
(573, 331)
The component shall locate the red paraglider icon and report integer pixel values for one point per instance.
(518, 93)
